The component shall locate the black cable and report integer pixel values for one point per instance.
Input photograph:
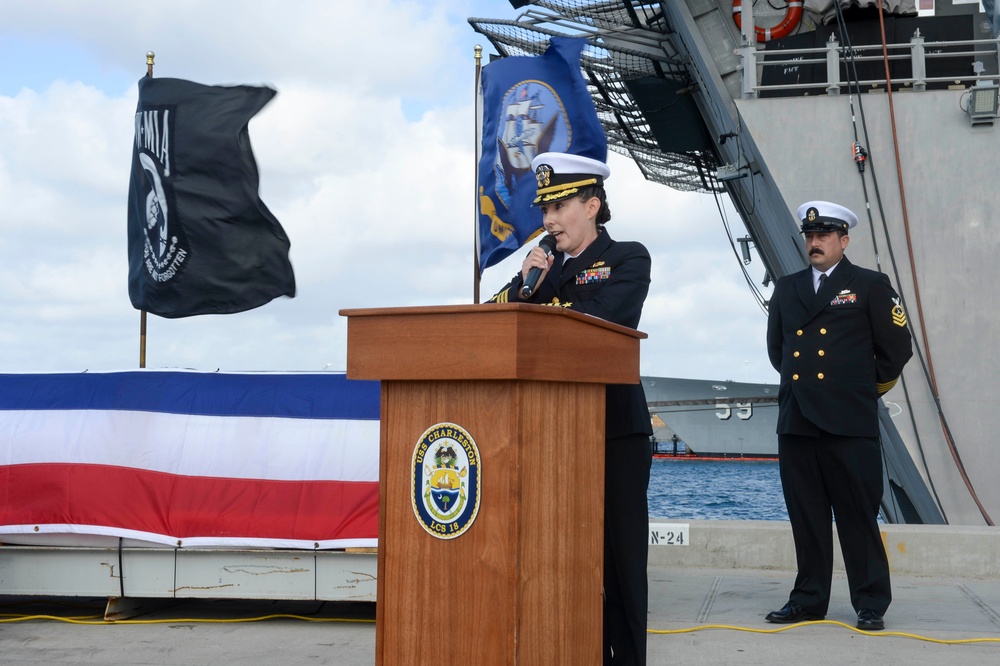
(740, 157)
(121, 569)
(758, 296)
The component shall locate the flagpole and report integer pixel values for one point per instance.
(475, 185)
(142, 313)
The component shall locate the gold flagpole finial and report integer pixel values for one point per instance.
(479, 52)
(150, 56)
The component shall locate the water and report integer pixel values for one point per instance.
(715, 490)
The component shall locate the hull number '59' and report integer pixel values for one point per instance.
(744, 410)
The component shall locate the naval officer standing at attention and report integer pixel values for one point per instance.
(589, 272)
(837, 334)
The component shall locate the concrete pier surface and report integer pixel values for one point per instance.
(705, 608)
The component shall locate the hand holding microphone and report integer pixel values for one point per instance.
(548, 243)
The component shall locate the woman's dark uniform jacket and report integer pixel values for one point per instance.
(609, 280)
(837, 351)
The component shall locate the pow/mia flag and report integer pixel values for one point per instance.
(531, 105)
(200, 240)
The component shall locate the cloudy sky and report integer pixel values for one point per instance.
(366, 157)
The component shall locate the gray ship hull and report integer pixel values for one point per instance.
(713, 419)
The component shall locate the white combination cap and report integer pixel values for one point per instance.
(562, 175)
(826, 216)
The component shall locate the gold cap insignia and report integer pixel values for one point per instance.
(544, 175)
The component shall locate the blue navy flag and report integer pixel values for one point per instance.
(200, 240)
(531, 105)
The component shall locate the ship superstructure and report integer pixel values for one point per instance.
(892, 115)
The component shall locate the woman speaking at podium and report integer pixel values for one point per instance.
(578, 266)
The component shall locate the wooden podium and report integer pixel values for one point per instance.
(513, 395)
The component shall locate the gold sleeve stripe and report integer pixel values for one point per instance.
(884, 387)
(502, 297)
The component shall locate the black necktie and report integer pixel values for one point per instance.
(822, 277)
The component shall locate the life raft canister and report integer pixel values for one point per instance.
(793, 14)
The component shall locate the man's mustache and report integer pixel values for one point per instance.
(815, 250)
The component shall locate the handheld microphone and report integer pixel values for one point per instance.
(548, 243)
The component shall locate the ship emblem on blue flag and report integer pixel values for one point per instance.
(531, 105)
(533, 121)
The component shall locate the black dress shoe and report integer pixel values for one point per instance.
(870, 620)
(790, 613)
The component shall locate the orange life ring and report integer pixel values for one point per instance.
(793, 14)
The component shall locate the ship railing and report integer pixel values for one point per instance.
(917, 51)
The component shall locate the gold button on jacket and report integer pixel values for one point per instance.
(835, 356)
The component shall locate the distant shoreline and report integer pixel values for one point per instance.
(695, 458)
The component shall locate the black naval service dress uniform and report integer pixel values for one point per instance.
(610, 280)
(837, 350)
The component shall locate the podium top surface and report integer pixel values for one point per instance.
(489, 341)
